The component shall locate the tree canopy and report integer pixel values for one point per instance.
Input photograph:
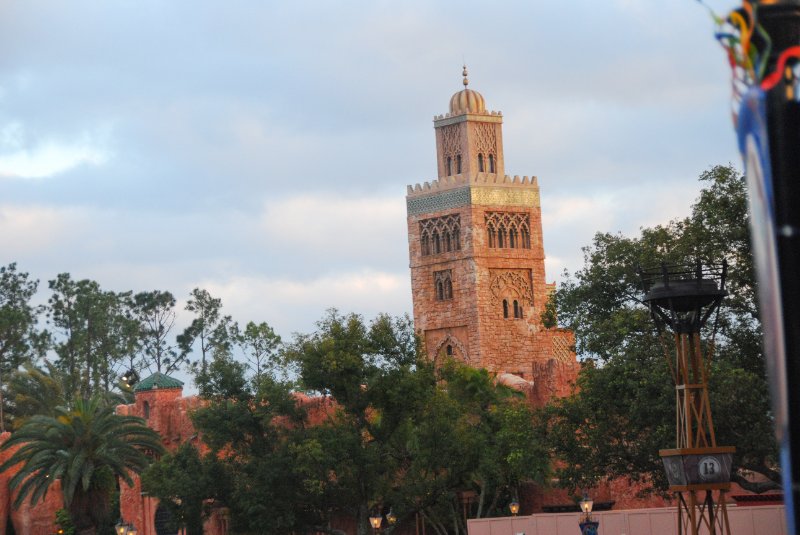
(85, 448)
(367, 427)
(622, 411)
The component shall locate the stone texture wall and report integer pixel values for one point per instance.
(167, 412)
(473, 322)
(472, 325)
(27, 519)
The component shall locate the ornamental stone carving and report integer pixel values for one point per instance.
(515, 284)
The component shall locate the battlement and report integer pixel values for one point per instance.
(481, 179)
(449, 115)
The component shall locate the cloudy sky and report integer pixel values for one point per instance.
(261, 150)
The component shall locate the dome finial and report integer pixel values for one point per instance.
(464, 73)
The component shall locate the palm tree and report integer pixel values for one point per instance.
(85, 448)
(40, 389)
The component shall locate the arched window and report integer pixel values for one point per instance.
(457, 239)
(458, 164)
(505, 308)
(443, 284)
(448, 244)
(501, 236)
(426, 244)
(146, 410)
(492, 236)
(512, 237)
(480, 163)
(449, 166)
(449, 350)
(437, 244)
(526, 238)
(517, 309)
(491, 163)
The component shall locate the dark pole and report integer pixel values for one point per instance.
(773, 173)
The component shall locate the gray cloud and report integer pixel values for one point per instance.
(268, 145)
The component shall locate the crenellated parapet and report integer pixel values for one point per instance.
(481, 179)
(483, 189)
(482, 114)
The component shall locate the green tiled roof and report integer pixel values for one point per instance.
(157, 381)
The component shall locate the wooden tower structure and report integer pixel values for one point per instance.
(683, 298)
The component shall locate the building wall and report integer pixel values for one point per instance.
(27, 519)
(759, 520)
(472, 325)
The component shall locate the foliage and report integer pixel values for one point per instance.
(19, 340)
(376, 428)
(623, 408)
(64, 523)
(36, 390)
(471, 436)
(85, 448)
(209, 330)
(260, 345)
(98, 334)
(186, 483)
(155, 312)
(252, 427)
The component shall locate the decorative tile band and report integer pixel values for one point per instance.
(457, 198)
(505, 197)
(445, 200)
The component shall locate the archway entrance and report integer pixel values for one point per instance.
(164, 522)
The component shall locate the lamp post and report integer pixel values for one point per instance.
(514, 507)
(588, 526)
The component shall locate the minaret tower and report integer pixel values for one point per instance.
(477, 259)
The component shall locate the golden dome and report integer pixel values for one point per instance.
(467, 100)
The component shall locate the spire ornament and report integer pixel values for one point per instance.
(464, 74)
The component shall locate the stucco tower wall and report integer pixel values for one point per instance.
(473, 318)
(489, 314)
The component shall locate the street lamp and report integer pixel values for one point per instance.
(375, 521)
(514, 507)
(391, 518)
(586, 506)
(588, 526)
(122, 528)
(129, 379)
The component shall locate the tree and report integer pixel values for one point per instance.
(623, 408)
(471, 435)
(155, 311)
(213, 332)
(19, 340)
(409, 435)
(186, 484)
(367, 371)
(36, 390)
(260, 345)
(86, 449)
(375, 427)
(253, 427)
(98, 333)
